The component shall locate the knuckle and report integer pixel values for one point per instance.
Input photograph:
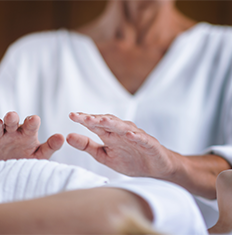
(103, 119)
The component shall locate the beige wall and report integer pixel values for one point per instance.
(18, 18)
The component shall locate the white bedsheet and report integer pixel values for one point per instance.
(26, 179)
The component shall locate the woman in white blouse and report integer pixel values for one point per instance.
(142, 61)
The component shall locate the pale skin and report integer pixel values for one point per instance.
(132, 38)
(224, 196)
(21, 141)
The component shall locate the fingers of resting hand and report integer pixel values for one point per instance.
(11, 122)
(31, 125)
(1, 128)
(53, 144)
(85, 144)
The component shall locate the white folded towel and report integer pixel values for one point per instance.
(30, 178)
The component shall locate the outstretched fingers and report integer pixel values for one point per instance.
(11, 122)
(89, 121)
(102, 124)
(86, 144)
(105, 124)
(53, 144)
(1, 128)
(31, 125)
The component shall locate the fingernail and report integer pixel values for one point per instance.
(73, 114)
(131, 132)
(29, 118)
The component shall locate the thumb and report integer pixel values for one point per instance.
(53, 144)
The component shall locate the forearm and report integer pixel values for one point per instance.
(74, 212)
(197, 173)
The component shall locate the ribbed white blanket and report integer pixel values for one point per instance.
(27, 179)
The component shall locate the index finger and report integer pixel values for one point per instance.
(31, 125)
(1, 128)
(11, 122)
(107, 122)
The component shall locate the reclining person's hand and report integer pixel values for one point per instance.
(127, 149)
(21, 141)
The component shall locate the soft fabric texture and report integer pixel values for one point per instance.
(185, 102)
(27, 179)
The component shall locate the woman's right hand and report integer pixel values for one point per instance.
(21, 141)
(126, 149)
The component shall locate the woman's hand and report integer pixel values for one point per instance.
(127, 149)
(21, 141)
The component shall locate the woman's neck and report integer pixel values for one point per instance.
(138, 23)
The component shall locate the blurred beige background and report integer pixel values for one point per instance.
(18, 18)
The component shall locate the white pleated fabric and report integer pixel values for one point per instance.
(27, 179)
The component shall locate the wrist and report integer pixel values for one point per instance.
(173, 164)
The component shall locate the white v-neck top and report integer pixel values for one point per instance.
(185, 102)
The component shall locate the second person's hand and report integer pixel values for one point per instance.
(21, 141)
